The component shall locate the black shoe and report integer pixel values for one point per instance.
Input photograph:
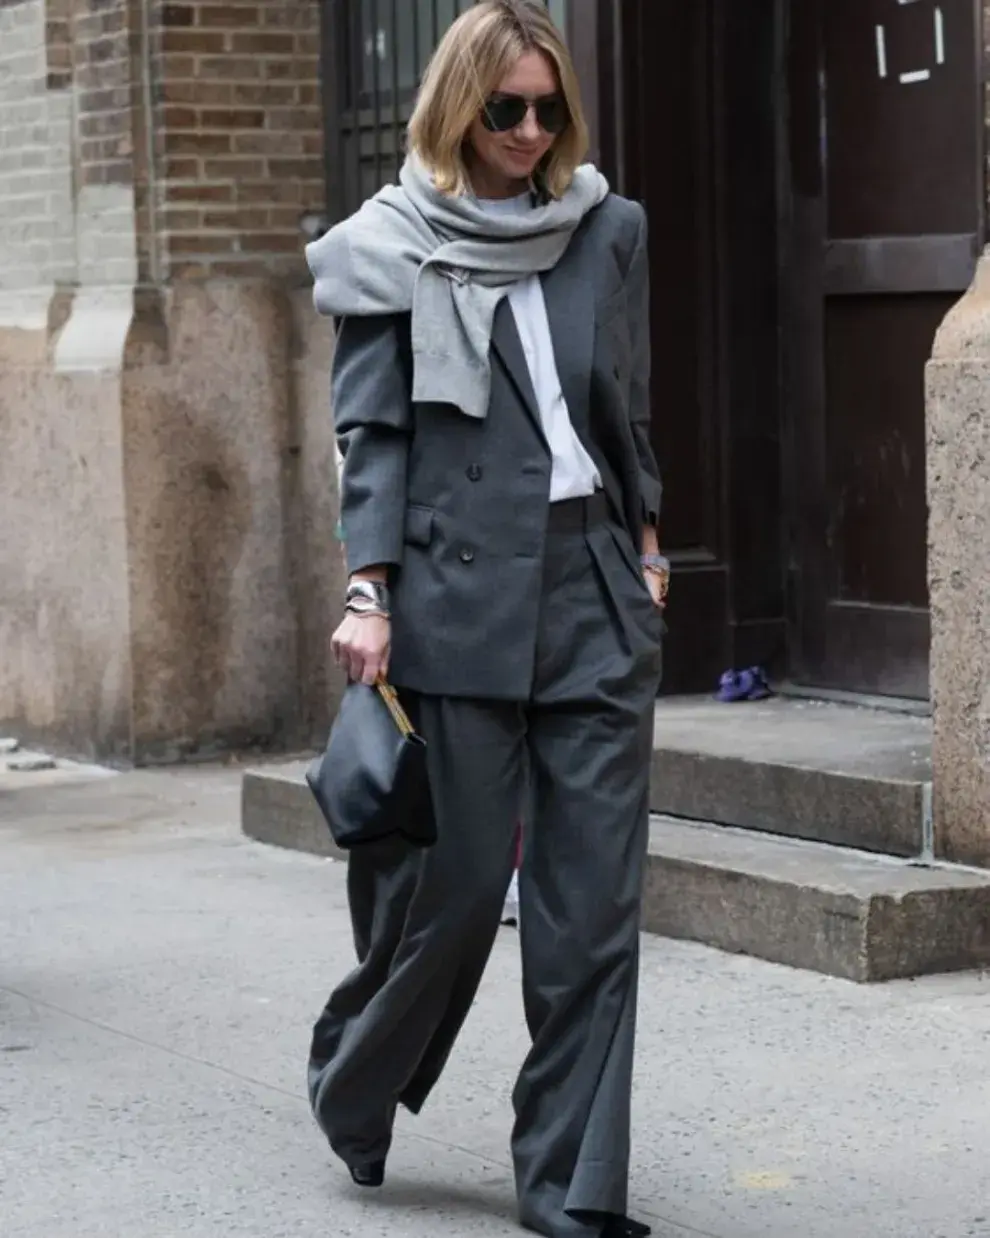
(625, 1227)
(372, 1174)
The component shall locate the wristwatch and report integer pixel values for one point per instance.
(368, 597)
(659, 566)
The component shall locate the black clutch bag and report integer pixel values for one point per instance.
(371, 782)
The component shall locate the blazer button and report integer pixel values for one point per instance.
(474, 472)
(467, 555)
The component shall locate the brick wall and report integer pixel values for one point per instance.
(239, 136)
(106, 67)
(58, 43)
(103, 80)
(142, 140)
(36, 213)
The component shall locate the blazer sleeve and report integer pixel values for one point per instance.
(370, 388)
(638, 293)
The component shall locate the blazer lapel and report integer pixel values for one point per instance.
(570, 304)
(507, 344)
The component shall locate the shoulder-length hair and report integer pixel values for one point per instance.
(471, 59)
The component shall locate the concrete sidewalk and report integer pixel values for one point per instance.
(159, 975)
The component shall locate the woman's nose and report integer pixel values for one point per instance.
(528, 126)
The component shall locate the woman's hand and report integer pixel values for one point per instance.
(361, 646)
(655, 585)
(656, 577)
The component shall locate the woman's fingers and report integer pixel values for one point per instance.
(360, 647)
(655, 586)
(375, 663)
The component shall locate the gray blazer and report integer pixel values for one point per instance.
(457, 506)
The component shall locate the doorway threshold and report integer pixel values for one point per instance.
(860, 700)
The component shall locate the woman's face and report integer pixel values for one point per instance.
(512, 157)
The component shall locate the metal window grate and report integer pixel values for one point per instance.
(375, 52)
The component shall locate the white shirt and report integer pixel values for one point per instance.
(572, 471)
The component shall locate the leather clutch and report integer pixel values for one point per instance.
(372, 781)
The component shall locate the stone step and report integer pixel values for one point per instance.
(829, 909)
(846, 913)
(835, 773)
(277, 807)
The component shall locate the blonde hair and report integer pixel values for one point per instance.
(471, 59)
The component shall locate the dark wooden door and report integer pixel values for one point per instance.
(665, 67)
(884, 220)
(696, 122)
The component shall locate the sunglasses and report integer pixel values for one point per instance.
(504, 112)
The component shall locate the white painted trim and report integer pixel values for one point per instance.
(94, 337)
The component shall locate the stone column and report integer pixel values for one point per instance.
(958, 401)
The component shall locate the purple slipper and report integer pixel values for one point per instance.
(748, 685)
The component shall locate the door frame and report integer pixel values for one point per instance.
(814, 658)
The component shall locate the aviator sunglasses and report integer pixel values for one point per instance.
(503, 112)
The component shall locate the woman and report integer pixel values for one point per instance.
(499, 505)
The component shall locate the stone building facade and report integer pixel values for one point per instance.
(168, 572)
(166, 464)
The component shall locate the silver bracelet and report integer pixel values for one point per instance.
(365, 593)
(366, 609)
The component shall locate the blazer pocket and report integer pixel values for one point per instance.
(419, 525)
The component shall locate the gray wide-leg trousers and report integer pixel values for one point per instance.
(577, 755)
